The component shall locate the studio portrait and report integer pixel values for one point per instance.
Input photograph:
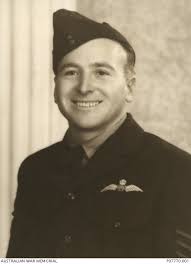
(95, 134)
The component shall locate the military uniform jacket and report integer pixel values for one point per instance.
(61, 209)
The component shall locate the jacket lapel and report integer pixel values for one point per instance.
(126, 143)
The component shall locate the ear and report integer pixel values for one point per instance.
(130, 83)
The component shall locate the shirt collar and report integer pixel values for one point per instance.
(92, 145)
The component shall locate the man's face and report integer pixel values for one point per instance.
(91, 88)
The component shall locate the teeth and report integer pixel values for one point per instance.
(86, 104)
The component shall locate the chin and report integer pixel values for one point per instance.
(86, 126)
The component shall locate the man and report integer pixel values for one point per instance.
(109, 189)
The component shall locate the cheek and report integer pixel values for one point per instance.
(62, 88)
(117, 90)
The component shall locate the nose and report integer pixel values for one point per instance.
(85, 85)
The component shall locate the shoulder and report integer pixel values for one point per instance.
(162, 149)
(43, 157)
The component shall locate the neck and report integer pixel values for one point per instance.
(85, 137)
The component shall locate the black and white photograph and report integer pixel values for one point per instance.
(95, 130)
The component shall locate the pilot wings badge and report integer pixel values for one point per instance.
(122, 187)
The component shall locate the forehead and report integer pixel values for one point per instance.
(97, 50)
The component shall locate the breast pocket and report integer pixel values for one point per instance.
(121, 210)
(125, 223)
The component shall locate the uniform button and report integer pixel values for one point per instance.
(70, 196)
(69, 36)
(67, 239)
(117, 224)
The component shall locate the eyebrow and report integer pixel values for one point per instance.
(67, 65)
(96, 64)
(103, 64)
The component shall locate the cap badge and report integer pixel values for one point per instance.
(122, 187)
(70, 39)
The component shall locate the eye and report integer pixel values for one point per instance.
(102, 73)
(70, 73)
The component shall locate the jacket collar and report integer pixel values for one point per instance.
(126, 141)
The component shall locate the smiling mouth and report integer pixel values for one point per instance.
(86, 104)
